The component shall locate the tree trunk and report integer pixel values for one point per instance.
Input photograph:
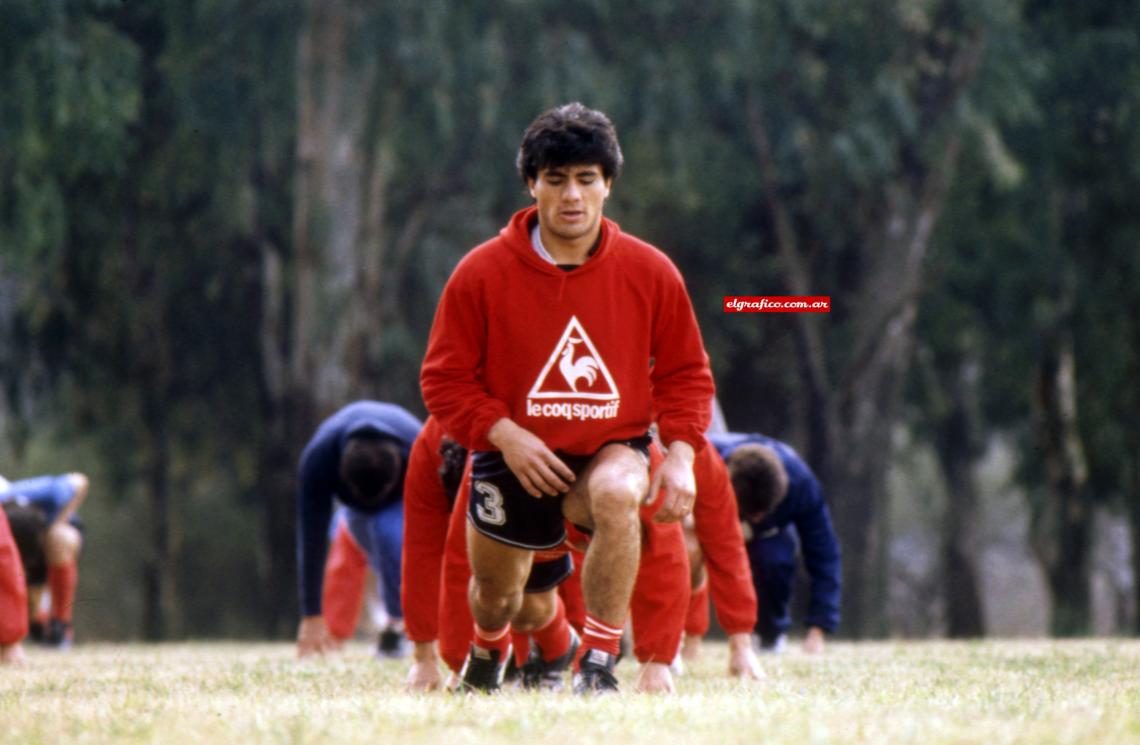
(1062, 527)
(321, 312)
(959, 446)
(276, 465)
(338, 207)
(855, 396)
(1135, 515)
(867, 411)
(277, 553)
(158, 570)
(151, 366)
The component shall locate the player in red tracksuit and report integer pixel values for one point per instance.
(719, 562)
(553, 345)
(435, 467)
(13, 598)
(346, 575)
(435, 553)
(656, 604)
(657, 607)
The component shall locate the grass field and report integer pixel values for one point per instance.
(895, 692)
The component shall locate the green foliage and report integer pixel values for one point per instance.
(1039, 245)
(148, 159)
(1054, 247)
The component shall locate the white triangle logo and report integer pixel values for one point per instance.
(575, 369)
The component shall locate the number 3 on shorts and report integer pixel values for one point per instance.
(490, 507)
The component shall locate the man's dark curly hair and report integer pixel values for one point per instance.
(758, 478)
(368, 466)
(29, 526)
(569, 135)
(453, 457)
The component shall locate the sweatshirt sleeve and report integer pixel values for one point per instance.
(455, 621)
(451, 377)
(13, 597)
(717, 524)
(314, 509)
(820, 550)
(683, 386)
(426, 512)
(659, 605)
(660, 602)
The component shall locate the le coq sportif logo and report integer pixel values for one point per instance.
(574, 374)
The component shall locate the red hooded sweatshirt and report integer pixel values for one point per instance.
(579, 358)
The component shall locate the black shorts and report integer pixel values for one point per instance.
(29, 526)
(499, 507)
(546, 575)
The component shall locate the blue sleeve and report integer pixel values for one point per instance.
(820, 550)
(315, 487)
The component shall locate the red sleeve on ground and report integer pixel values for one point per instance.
(426, 514)
(455, 621)
(661, 594)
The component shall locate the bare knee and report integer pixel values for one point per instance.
(536, 611)
(610, 491)
(615, 496)
(498, 575)
(492, 603)
(62, 543)
(696, 555)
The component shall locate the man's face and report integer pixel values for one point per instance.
(570, 199)
(755, 517)
(372, 501)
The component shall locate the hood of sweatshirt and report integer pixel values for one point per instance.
(516, 234)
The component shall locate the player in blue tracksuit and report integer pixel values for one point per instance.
(782, 509)
(358, 456)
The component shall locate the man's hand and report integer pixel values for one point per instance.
(536, 466)
(313, 638)
(813, 642)
(654, 678)
(12, 654)
(691, 648)
(424, 675)
(675, 484)
(742, 662)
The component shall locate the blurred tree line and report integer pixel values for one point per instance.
(220, 220)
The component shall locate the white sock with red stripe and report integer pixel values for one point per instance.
(601, 636)
(497, 639)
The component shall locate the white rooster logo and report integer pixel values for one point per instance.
(583, 379)
(574, 369)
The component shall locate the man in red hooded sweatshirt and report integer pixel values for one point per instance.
(553, 345)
